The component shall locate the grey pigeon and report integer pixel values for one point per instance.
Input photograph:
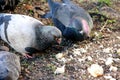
(9, 66)
(73, 21)
(26, 34)
(8, 4)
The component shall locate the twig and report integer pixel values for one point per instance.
(104, 26)
(98, 14)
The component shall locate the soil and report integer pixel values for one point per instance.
(104, 43)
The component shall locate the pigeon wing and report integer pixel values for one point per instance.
(64, 14)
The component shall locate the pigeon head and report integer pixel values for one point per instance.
(82, 25)
(86, 28)
(52, 34)
(3, 71)
(77, 30)
(55, 34)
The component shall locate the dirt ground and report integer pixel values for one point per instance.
(104, 45)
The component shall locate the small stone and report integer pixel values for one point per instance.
(76, 51)
(107, 50)
(113, 68)
(95, 70)
(110, 55)
(96, 34)
(118, 51)
(112, 79)
(109, 61)
(81, 60)
(109, 77)
(101, 46)
(82, 50)
(71, 57)
(59, 55)
(89, 58)
(63, 60)
(117, 60)
(60, 70)
(118, 37)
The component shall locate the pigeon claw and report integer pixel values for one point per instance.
(27, 56)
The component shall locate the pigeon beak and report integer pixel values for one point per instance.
(81, 32)
(59, 40)
(85, 36)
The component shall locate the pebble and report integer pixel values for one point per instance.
(107, 50)
(96, 70)
(83, 50)
(113, 68)
(89, 58)
(59, 55)
(76, 52)
(109, 77)
(118, 37)
(96, 34)
(81, 60)
(71, 57)
(118, 51)
(109, 61)
(60, 70)
(101, 46)
(62, 60)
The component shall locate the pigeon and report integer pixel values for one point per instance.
(26, 34)
(73, 21)
(9, 4)
(9, 66)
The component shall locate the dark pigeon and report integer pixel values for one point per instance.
(9, 66)
(26, 34)
(73, 21)
(8, 4)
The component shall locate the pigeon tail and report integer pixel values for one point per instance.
(47, 15)
(51, 4)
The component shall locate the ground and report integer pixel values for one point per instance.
(104, 45)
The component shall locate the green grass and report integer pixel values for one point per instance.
(107, 2)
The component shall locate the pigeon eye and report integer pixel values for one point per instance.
(58, 40)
